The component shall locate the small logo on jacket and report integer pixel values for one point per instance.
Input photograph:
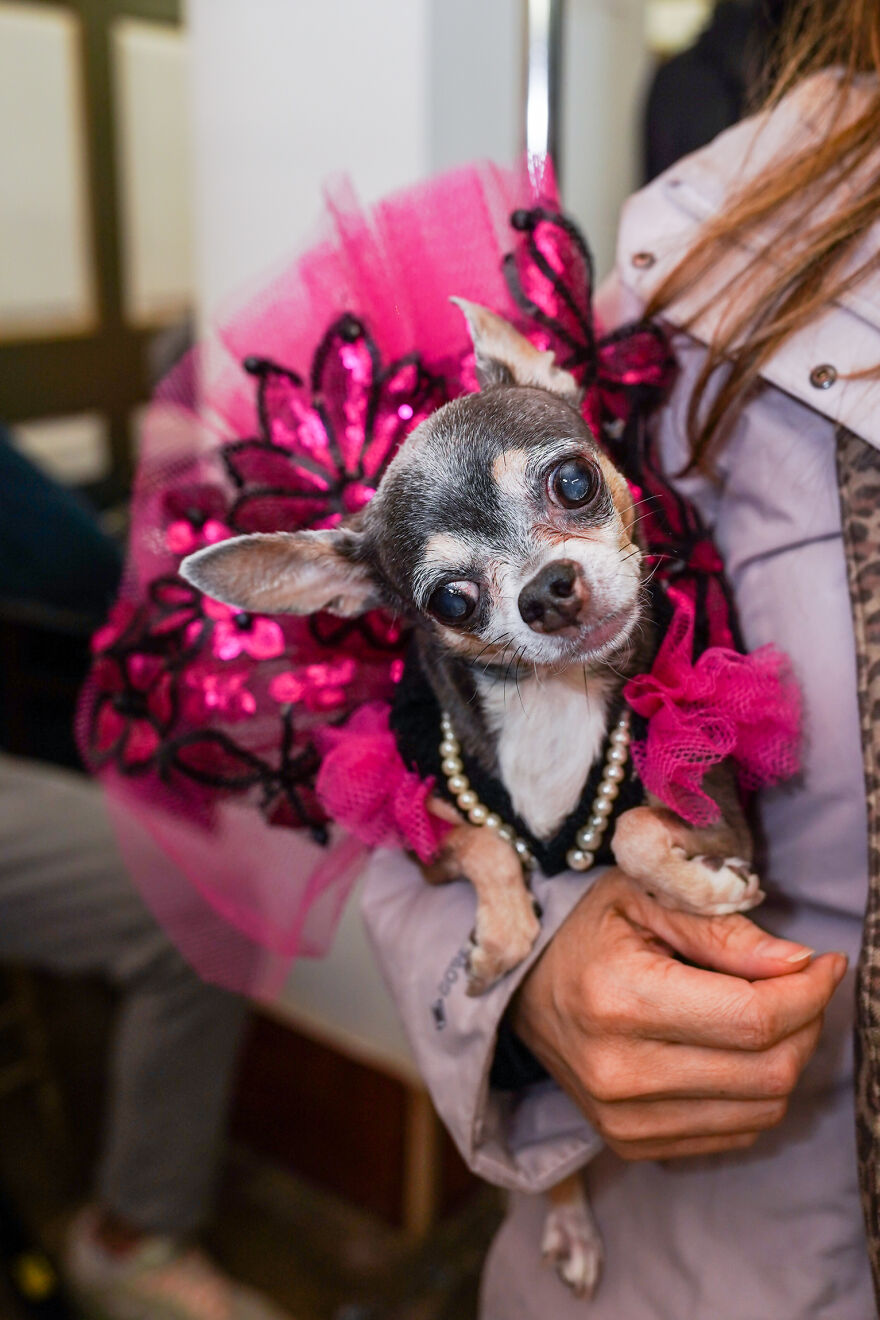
(450, 976)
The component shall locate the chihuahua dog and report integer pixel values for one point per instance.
(509, 540)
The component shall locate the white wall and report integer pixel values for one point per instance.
(605, 67)
(476, 81)
(287, 94)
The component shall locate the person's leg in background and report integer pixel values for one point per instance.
(66, 904)
(52, 549)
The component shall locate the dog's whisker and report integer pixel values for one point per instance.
(616, 671)
(641, 518)
(493, 641)
(650, 575)
(660, 557)
(520, 651)
(586, 687)
(518, 693)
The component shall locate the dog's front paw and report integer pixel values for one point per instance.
(571, 1242)
(661, 852)
(713, 886)
(500, 942)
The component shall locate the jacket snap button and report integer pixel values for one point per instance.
(822, 377)
(642, 260)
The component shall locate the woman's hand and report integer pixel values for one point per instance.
(667, 1059)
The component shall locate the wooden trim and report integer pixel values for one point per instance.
(422, 1172)
(158, 11)
(51, 377)
(102, 170)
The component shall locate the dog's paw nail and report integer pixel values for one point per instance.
(734, 886)
(712, 861)
(481, 971)
(571, 1243)
(474, 982)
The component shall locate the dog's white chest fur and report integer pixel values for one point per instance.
(549, 734)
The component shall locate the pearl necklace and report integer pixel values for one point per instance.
(589, 836)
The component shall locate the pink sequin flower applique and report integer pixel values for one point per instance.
(236, 633)
(121, 621)
(134, 711)
(224, 694)
(323, 446)
(322, 686)
(196, 518)
(550, 277)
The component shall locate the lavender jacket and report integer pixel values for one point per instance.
(776, 1233)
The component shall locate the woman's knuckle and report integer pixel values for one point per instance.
(603, 1078)
(624, 1150)
(778, 1112)
(757, 1027)
(781, 1073)
(613, 1127)
(634, 1151)
(771, 1114)
(595, 999)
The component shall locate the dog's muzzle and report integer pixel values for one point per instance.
(555, 598)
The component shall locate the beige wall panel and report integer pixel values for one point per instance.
(155, 168)
(671, 25)
(74, 450)
(45, 279)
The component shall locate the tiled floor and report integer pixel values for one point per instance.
(319, 1257)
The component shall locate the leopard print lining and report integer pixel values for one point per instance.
(858, 472)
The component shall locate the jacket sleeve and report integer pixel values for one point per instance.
(527, 1139)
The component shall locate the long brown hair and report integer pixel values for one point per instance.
(811, 271)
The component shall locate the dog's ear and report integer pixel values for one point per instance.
(285, 573)
(505, 357)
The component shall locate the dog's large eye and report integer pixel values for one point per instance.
(574, 483)
(454, 602)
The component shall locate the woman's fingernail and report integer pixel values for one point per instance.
(783, 951)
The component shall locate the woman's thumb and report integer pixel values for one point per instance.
(732, 944)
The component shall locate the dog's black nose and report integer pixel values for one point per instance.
(554, 598)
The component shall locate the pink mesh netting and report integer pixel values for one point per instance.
(747, 707)
(364, 786)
